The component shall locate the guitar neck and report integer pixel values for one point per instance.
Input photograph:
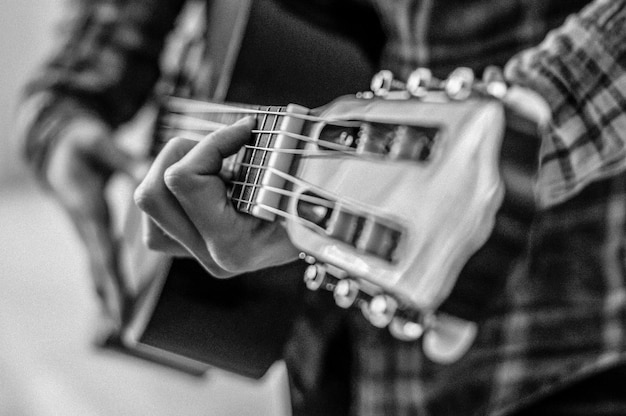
(254, 172)
(258, 172)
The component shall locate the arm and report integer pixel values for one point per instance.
(184, 196)
(105, 68)
(559, 69)
(103, 71)
(580, 69)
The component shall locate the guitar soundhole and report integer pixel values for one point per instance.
(392, 141)
(365, 232)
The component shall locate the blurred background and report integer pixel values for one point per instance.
(48, 365)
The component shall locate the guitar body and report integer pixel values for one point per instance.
(185, 318)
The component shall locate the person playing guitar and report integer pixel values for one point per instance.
(549, 340)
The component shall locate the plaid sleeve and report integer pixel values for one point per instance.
(105, 66)
(580, 69)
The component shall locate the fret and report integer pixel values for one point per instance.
(255, 159)
(167, 127)
(251, 171)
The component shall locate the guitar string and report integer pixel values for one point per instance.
(286, 215)
(264, 153)
(348, 205)
(212, 126)
(305, 153)
(286, 176)
(247, 174)
(289, 178)
(186, 105)
(303, 197)
(185, 122)
(301, 152)
(333, 147)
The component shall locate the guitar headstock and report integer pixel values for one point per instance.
(392, 194)
(398, 190)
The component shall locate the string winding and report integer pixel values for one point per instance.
(285, 215)
(196, 128)
(186, 105)
(192, 125)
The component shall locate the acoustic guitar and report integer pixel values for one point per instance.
(410, 205)
(390, 195)
(258, 52)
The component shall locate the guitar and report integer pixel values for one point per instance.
(392, 198)
(181, 316)
(369, 244)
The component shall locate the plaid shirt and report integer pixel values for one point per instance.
(561, 314)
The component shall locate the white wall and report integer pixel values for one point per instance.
(26, 34)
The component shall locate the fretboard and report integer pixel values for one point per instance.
(252, 161)
(248, 170)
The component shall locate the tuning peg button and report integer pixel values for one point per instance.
(449, 339)
(380, 310)
(315, 276)
(383, 82)
(420, 82)
(494, 82)
(405, 329)
(459, 84)
(346, 293)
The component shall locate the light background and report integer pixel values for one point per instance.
(47, 364)
(26, 34)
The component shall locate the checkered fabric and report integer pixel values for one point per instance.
(560, 315)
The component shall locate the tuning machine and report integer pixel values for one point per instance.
(448, 338)
(383, 83)
(445, 338)
(346, 291)
(458, 85)
(406, 329)
(380, 310)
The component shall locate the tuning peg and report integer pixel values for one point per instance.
(346, 293)
(307, 258)
(448, 339)
(494, 82)
(421, 81)
(405, 329)
(380, 310)
(383, 82)
(459, 84)
(315, 276)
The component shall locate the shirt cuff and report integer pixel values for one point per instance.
(42, 119)
(580, 71)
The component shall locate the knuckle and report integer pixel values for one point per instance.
(221, 273)
(176, 178)
(145, 198)
(175, 142)
(178, 147)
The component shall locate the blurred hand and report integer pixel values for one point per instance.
(189, 210)
(79, 166)
(529, 104)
